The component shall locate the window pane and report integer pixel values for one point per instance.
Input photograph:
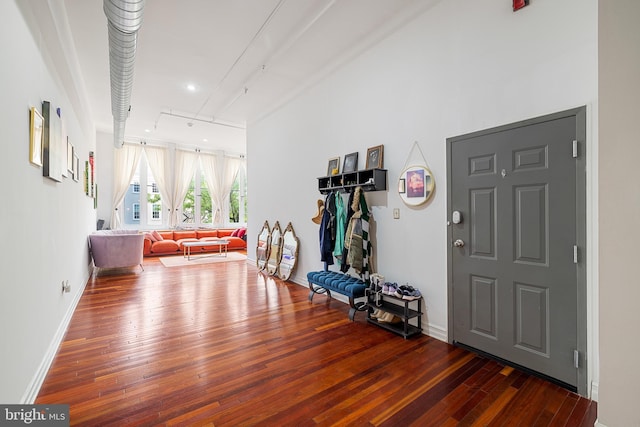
(153, 199)
(131, 202)
(188, 205)
(234, 202)
(157, 208)
(206, 211)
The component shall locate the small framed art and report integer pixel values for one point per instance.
(402, 188)
(333, 168)
(374, 157)
(76, 167)
(350, 163)
(69, 156)
(35, 137)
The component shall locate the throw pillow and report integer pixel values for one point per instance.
(150, 237)
(242, 232)
(235, 233)
(157, 235)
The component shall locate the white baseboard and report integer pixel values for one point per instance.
(594, 391)
(437, 332)
(33, 389)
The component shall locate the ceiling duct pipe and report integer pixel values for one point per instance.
(124, 20)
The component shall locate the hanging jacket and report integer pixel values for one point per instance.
(357, 244)
(341, 216)
(344, 267)
(327, 233)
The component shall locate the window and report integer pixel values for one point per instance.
(157, 209)
(197, 207)
(238, 199)
(143, 203)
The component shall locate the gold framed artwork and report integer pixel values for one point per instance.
(35, 137)
(333, 167)
(416, 185)
(375, 157)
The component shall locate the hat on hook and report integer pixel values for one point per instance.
(318, 218)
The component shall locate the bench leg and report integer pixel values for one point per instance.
(355, 307)
(317, 290)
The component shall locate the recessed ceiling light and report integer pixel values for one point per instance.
(191, 87)
(205, 140)
(147, 130)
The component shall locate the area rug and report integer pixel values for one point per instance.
(208, 258)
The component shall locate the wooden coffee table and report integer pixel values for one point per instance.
(221, 243)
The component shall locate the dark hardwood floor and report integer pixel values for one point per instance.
(223, 345)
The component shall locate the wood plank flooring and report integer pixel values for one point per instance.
(223, 345)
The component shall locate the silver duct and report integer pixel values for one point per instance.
(124, 20)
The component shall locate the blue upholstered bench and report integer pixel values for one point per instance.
(321, 282)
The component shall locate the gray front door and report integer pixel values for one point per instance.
(515, 252)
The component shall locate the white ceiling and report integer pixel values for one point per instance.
(244, 57)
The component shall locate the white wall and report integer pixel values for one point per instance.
(460, 67)
(619, 150)
(44, 223)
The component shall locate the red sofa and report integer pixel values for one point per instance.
(170, 242)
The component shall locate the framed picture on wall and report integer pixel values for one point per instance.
(35, 137)
(374, 157)
(69, 156)
(350, 163)
(401, 186)
(333, 168)
(76, 167)
(53, 151)
(416, 185)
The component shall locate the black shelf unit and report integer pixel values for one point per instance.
(398, 307)
(368, 179)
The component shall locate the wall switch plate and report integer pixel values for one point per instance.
(396, 213)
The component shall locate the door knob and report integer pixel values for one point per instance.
(458, 243)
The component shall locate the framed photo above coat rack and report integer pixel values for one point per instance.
(375, 157)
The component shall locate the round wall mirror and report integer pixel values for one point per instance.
(274, 251)
(289, 256)
(416, 185)
(262, 249)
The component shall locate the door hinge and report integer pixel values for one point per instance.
(576, 359)
(575, 254)
(575, 148)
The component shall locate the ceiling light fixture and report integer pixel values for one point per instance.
(193, 119)
(191, 87)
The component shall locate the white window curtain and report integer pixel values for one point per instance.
(185, 167)
(158, 160)
(220, 185)
(208, 162)
(125, 162)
